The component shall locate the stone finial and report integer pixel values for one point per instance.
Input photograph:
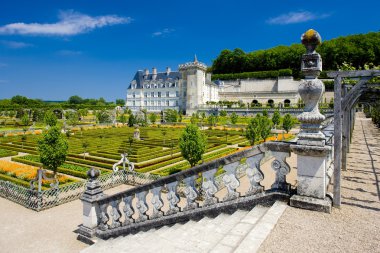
(195, 58)
(93, 173)
(311, 39)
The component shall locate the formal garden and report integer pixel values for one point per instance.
(156, 151)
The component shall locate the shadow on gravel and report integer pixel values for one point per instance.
(361, 206)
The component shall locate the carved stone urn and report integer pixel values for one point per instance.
(311, 90)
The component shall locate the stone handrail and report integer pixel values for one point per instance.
(129, 210)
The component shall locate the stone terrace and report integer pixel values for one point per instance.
(353, 228)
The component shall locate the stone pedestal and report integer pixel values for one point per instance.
(91, 209)
(312, 152)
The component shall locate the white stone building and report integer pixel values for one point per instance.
(191, 87)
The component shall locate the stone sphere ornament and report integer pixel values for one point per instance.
(93, 173)
(311, 39)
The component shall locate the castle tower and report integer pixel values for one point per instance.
(193, 84)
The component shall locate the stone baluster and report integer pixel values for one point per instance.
(281, 168)
(209, 187)
(191, 193)
(141, 206)
(91, 209)
(230, 181)
(128, 211)
(115, 214)
(104, 217)
(157, 203)
(172, 198)
(254, 174)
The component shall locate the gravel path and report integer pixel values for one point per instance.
(353, 228)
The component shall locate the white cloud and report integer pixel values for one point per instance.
(296, 17)
(70, 23)
(15, 44)
(163, 32)
(69, 52)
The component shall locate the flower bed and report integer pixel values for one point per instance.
(25, 173)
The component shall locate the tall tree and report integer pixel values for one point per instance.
(265, 127)
(276, 118)
(52, 149)
(287, 123)
(50, 119)
(192, 144)
(234, 118)
(252, 132)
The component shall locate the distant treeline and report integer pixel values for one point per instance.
(74, 102)
(356, 50)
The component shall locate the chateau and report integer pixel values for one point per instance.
(189, 88)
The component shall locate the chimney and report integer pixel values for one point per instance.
(168, 70)
(146, 74)
(154, 73)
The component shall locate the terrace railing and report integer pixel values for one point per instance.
(40, 200)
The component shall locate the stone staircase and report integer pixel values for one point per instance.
(242, 231)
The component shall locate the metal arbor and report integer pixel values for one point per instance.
(346, 97)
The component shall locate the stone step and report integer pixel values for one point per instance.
(241, 231)
(237, 233)
(256, 236)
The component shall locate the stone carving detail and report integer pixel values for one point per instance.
(141, 206)
(128, 211)
(230, 181)
(172, 198)
(104, 217)
(281, 168)
(209, 187)
(191, 193)
(157, 203)
(254, 174)
(124, 160)
(115, 214)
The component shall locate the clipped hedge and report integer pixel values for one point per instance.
(254, 75)
(5, 153)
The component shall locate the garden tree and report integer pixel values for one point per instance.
(234, 118)
(180, 117)
(265, 127)
(171, 115)
(75, 100)
(25, 120)
(123, 118)
(103, 116)
(72, 118)
(11, 114)
(194, 118)
(192, 144)
(287, 123)
(331, 103)
(50, 119)
(211, 119)
(120, 102)
(23, 139)
(85, 145)
(223, 113)
(38, 115)
(265, 113)
(52, 149)
(131, 120)
(164, 132)
(83, 112)
(252, 132)
(276, 118)
(152, 118)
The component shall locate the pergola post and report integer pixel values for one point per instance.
(337, 138)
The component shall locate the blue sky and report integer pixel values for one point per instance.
(54, 49)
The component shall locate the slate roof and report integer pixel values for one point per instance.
(139, 77)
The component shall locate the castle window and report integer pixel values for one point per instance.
(152, 94)
(159, 103)
(133, 103)
(155, 86)
(176, 103)
(145, 103)
(167, 103)
(159, 94)
(133, 95)
(151, 103)
(146, 94)
(167, 94)
(177, 93)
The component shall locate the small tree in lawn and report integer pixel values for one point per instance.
(85, 145)
(265, 113)
(164, 132)
(131, 120)
(253, 131)
(192, 144)
(152, 118)
(50, 119)
(276, 118)
(265, 127)
(52, 149)
(234, 118)
(287, 123)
